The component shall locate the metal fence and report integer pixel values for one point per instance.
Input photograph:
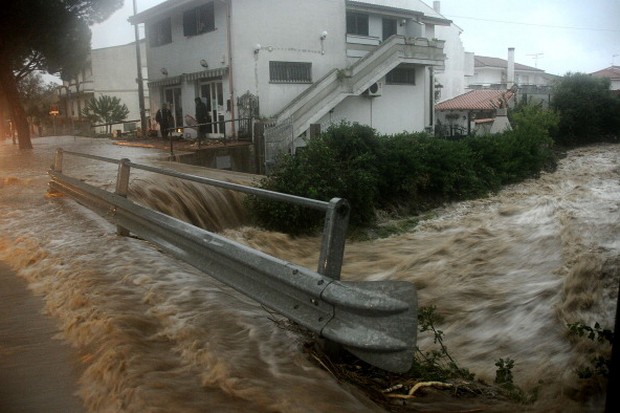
(278, 139)
(377, 321)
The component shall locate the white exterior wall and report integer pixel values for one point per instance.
(530, 78)
(486, 76)
(183, 55)
(452, 77)
(114, 73)
(496, 75)
(289, 31)
(400, 108)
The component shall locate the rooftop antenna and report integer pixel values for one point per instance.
(535, 56)
(613, 58)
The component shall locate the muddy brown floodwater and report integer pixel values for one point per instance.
(507, 273)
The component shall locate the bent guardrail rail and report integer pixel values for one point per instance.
(376, 321)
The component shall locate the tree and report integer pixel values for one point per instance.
(37, 97)
(106, 109)
(52, 36)
(588, 110)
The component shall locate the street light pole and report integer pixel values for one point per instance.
(139, 79)
(68, 106)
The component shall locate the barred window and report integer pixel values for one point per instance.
(199, 20)
(357, 23)
(401, 76)
(160, 33)
(290, 72)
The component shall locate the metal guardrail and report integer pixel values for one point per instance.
(377, 321)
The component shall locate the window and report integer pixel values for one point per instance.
(290, 72)
(199, 20)
(161, 33)
(401, 76)
(357, 23)
(389, 28)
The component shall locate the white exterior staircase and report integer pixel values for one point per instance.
(316, 101)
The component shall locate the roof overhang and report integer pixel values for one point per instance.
(364, 7)
(160, 9)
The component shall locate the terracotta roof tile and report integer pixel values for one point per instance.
(612, 72)
(479, 99)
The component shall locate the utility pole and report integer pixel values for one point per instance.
(535, 56)
(139, 79)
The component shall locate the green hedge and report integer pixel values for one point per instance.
(589, 111)
(340, 163)
(414, 171)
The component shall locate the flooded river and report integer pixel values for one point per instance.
(507, 273)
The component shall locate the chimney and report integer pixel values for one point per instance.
(437, 6)
(510, 79)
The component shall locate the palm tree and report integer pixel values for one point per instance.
(105, 109)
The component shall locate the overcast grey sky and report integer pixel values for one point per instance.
(557, 36)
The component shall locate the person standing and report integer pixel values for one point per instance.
(202, 117)
(165, 120)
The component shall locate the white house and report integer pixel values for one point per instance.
(295, 62)
(493, 72)
(612, 73)
(109, 71)
(478, 111)
(451, 79)
(533, 84)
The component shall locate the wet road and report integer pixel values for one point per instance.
(38, 372)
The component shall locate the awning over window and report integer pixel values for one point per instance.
(203, 74)
(168, 81)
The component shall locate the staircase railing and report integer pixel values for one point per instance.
(317, 100)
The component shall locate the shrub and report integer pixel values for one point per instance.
(600, 365)
(401, 175)
(530, 143)
(518, 154)
(105, 109)
(588, 110)
(450, 169)
(415, 171)
(338, 163)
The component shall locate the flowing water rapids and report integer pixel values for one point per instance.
(507, 273)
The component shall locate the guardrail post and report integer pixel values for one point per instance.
(122, 187)
(334, 238)
(57, 167)
(331, 257)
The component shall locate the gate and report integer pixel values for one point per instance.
(247, 106)
(278, 139)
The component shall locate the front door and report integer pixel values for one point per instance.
(172, 96)
(213, 94)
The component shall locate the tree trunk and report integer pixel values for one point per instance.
(18, 115)
(3, 111)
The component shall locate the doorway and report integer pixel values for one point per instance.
(213, 94)
(172, 96)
